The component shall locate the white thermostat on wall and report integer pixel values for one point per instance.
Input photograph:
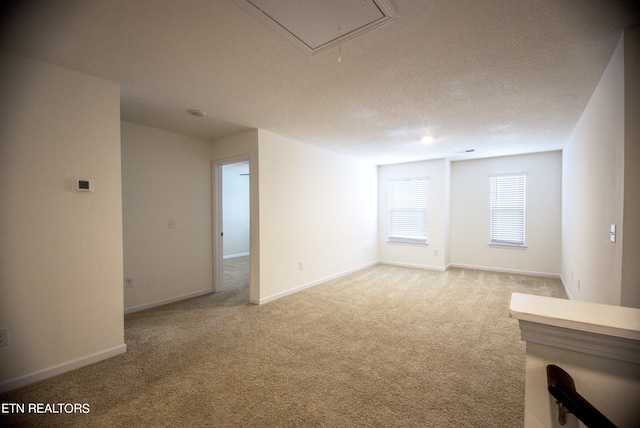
(82, 185)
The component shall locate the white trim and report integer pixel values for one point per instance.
(138, 308)
(411, 265)
(310, 284)
(417, 244)
(235, 256)
(566, 290)
(509, 246)
(216, 221)
(281, 294)
(600, 345)
(507, 174)
(216, 212)
(504, 270)
(58, 369)
(589, 338)
(588, 317)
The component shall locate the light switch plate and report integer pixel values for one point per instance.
(612, 234)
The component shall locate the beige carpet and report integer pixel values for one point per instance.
(384, 347)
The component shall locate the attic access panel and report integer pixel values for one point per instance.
(317, 25)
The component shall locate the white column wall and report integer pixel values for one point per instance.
(165, 176)
(60, 252)
(593, 187)
(317, 208)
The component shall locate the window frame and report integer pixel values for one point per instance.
(512, 227)
(417, 208)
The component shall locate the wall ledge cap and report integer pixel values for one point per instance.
(588, 328)
(616, 321)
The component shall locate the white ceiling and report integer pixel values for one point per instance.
(498, 76)
(315, 26)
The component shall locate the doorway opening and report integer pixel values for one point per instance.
(232, 220)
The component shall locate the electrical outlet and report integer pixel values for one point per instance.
(128, 282)
(4, 336)
(578, 285)
(301, 265)
(435, 252)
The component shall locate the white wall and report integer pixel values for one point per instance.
(470, 214)
(593, 180)
(630, 290)
(60, 252)
(316, 207)
(165, 176)
(601, 163)
(235, 212)
(447, 214)
(423, 256)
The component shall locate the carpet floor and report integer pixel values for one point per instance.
(387, 346)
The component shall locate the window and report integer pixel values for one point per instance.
(408, 210)
(507, 209)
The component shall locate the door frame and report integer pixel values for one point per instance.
(217, 200)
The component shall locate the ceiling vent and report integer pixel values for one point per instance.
(314, 25)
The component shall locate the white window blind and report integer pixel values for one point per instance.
(408, 210)
(507, 209)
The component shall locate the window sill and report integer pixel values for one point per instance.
(418, 244)
(511, 246)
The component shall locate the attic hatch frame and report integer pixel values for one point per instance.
(387, 11)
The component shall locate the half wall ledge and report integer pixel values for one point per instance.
(598, 344)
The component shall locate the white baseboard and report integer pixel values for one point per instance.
(386, 262)
(310, 284)
(503, 270)
(52, 371)
(411, 265)
(235, 256)
(138, 308)
(566, 289)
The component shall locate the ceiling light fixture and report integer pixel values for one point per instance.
(197, 113)
(427, 139)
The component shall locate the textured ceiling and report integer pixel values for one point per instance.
(498, 76)
(315, 26)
